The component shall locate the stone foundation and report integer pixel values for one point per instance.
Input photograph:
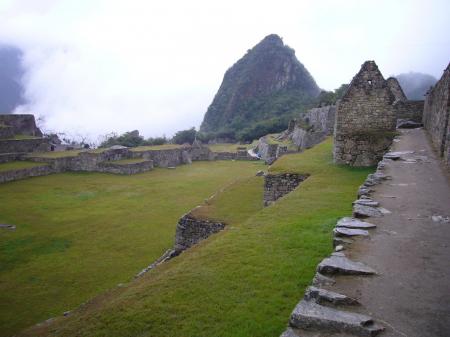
(24, 145)
(278, 185)
(128, 169)
(191, 231)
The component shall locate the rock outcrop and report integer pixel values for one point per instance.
(251, 88)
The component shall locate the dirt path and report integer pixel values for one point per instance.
(410, 296)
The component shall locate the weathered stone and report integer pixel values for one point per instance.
(354, 223)
(278, 185)
(436, 115)
(367, 202)
(344, 266)
(325, 296)
(6, 226)
(344, 231)
(362, 211)
(365, 119)
(339, 248)
(396, 155)
(321, 280)
(259, 173)
(191, 231)
(343, 241)
(406, 124)
(289, 332)
(312, 316)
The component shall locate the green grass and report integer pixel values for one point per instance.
(243, 281)
(55, 154)
(128, 161)
(230, 147)
(17, 165)
(79, 234)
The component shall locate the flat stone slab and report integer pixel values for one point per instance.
(366, 202)
(363, 211)
(289, 332)
(396, 155)
(320, 280)
(344, 231)
(326, 296)
(354, 223)
(309, 315)
(343, 266)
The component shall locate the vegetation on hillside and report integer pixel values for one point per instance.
(267, 83)
(131, 139)
(243, 281)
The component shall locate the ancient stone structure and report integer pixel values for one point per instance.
(191, 231)
(36, 171)
(267, 151)
(24, 145)
(396, 89)
(278, 185)
(436, 115)
(24, 125)
(409, 111)
(314, 127)
(365, 119)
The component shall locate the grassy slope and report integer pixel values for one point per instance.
(17, 165)
(79, 234)
(244, 281)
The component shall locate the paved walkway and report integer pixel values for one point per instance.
(410, 296)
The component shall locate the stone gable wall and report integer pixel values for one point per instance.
(436, 115)
(396, 89)
(365, 119)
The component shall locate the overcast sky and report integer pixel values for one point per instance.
(96, 66)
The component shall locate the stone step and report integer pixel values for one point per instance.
(309, 315)
(344, 231)
(320, 280)
(321, 296)
(343, 266)
(366, 202)
(353, 223)
(363, 211)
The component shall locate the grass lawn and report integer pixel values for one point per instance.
(79, 234)
(17, 165)
(243, 281)
(230, 147)
(55, 154)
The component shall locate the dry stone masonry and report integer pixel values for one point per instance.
(278, 185)
(436, 115)
(365, 119)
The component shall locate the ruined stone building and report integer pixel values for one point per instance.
(436, 115)
(365, 119)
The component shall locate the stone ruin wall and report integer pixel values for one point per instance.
(278, 185)
(396, 89)
(20, 125)
(190, 231)
(409, 110)
(365, 119)
(436, 115)
(24, 145)
(314, 127)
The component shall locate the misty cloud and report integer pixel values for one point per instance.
(99, 66)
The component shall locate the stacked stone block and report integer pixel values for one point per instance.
(365, 119)
(278, 185)
(436, 115)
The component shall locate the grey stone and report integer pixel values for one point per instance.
(344, 231)
(396, 155)
(312, 316)
(362, 211)
(354, 223)
(339, 248)
(320, 280)
(337, 240)
(366, 202)
(326, 296)
(6, 226)
(338, 254)
(344, 266)
(406, 124)
(259, 173)
(289, 332)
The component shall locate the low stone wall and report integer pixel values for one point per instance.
(24, 145)
(409, 110)
(36, 171)
(225, 155)
(164, 158)
(191, 231)
(278, 185)
(7, 157)
(6, 132)
(129, 168)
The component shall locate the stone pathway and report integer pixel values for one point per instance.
(407, 206)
